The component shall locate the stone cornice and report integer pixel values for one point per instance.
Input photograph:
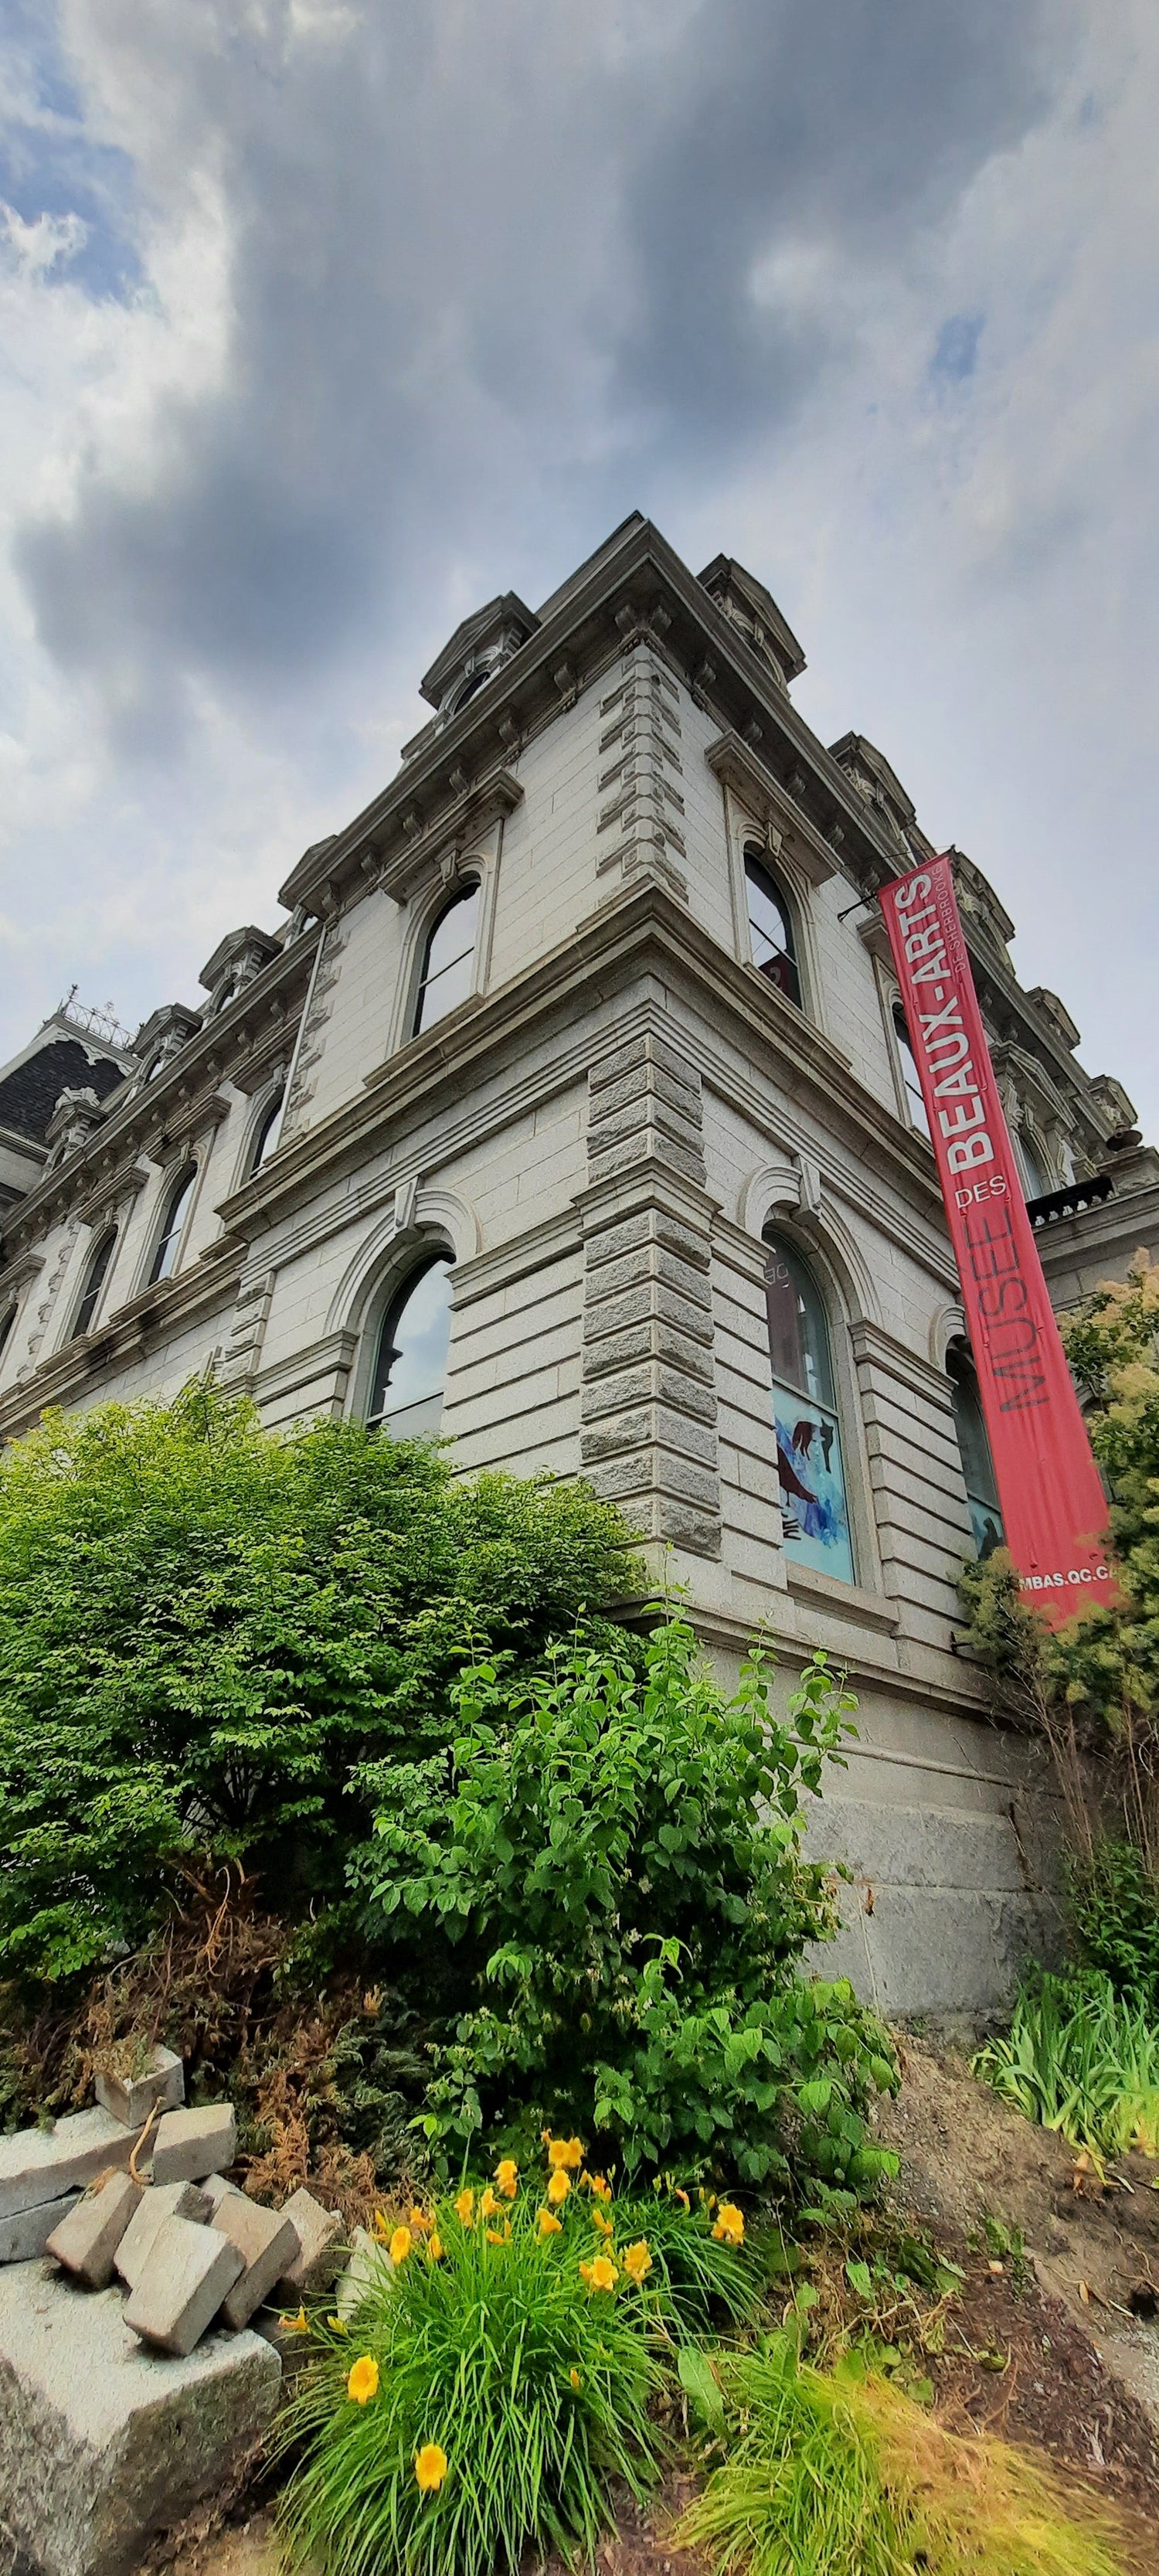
(738, 765)
(129, 1333)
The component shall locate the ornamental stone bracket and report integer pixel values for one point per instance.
(648, 1406)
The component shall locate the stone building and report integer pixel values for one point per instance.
(569, 1110)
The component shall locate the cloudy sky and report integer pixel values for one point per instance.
(322, 320)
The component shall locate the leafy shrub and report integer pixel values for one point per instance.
(206, 1633)
(1081, 2059)
(837, 2473)
(1114, 1909)
(611, 1865)
(489, 2362)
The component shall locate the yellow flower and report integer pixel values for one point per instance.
(604, 2224)
(465, 2208)
(729, 2226)
(297, 2325)
(637, 2261)
(563, 2152)
(430, 2467)
(489, 2206)
(600, 2274)
(574, 2377)
(494, 2236)
(381, 2224)
(363, 2379)
(559, 2186)
(419, 2219)
(549, 2224)
(599, 2187)
(400, 2244)
(337, 2324)
(434, 2246)
(683, 2199)
(507, 2177)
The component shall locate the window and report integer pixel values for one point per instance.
(267, 1138)
(95, 1277)
(448, 959)
(169, 1241)
(1037, 1184)
(918, 1113)
(977, 1464)
(809, 1469)
(770, 928)
(7, 1321)
(410, 1363)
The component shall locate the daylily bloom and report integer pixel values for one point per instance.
(507, 2177)
(604, 2224)
(495, 2236)
(400, 2244)
(488, 2206)
(599, 2186)
(729, 2226)
(637, 2261)
(362, 2381)
(381, 2224)
(548, 2224)
(434, 2246)
(419, 2219)
(337, 2324)
(430, 2467)
(574, 2377)
(683, 2199)
(465, 2208)
(559, 2186)
(600, 2274)
(299, 2324)
(563, 2152)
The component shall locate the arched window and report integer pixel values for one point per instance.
(267, 1137)
(977, 1464)
(448, 958)
(812, 1479)
(7, 1320)
(169, 1240)
(1037, 1185)
(94, 1280)
(918, 1113)
(410, 1363)
(770, 928)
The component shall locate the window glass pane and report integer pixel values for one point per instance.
(919, 1114)
(1037, 1184)
(266, 1140)
(6, 1323)
(977, 1464)
(170, 1242)
(770, 930)
(95, 1277)
(446, 977)
(411, 1363)
(814, 1514)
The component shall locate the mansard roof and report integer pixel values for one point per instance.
(59, 1058)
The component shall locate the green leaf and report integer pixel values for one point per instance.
(701, 2386)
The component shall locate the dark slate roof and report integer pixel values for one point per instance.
(29, 1094)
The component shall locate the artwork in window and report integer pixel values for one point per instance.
(95, 1277)
(447, 965)
(169, 1240)
(974, 1448)
(770, 929)
(410, 1364)
(267, 1138)
(915, 1103)
(814, 1514)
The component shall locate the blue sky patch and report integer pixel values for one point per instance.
(50, 165)
(956, 354)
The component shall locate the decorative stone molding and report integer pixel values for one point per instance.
(304, 1078)
(71, 1125)
(737, 765)
(241, 1358)
(641, 774)
(648, 1408)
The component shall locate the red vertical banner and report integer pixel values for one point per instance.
(1053, 1507)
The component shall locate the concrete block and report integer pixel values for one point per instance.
(322, 2250)
(190, 2144)
(102, 2443)
(188, 2271)
(369, 2267)
(161, 2201)
(131, 2097)
(267, 2241)
(24, 2237)
(215, 2188)
(42, 2164)
(86, 2241)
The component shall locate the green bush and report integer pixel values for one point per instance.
(608, 1873)
(207, 1633)
(1114, 1908)
(530, 2380)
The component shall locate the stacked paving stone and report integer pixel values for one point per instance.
(121, 2236)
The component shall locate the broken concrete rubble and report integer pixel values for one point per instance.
(103, 2442)
(186, 2275)
(131, 2097)
(190, 2144)
(27, 2234)
(39, 2164)
(86, 2241)
(161, 2201)
(266, 2239)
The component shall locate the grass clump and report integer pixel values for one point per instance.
(1082, 2059)
(839, 2474)
(497, 2376)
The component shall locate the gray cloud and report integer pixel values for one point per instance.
(489, 269)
